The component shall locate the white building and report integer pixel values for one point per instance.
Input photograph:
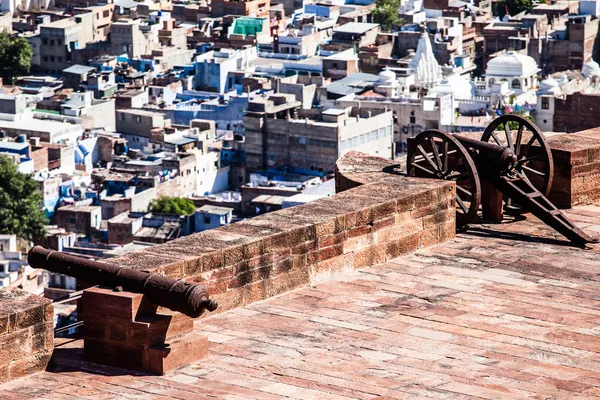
(517, 70)
(552, 89)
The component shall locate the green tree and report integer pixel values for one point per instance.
(15, 56)
(514, 7)
(386, 14)
(21, 211)
(172, 205)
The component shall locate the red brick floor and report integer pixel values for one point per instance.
(501, 312)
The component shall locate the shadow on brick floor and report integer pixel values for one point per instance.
(68, 357)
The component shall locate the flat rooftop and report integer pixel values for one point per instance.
(503, 311)
(355, 27)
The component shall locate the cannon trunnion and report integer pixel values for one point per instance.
(512, 161)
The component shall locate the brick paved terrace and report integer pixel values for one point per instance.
(505, 311)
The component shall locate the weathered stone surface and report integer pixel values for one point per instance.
(259, 257)
(576, 168)
(26, 333)
(504, 311)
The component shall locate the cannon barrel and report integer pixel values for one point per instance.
(497, 155)
(177, 295)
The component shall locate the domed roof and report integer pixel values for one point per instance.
(549, 86)
(458, 86)
(387, 77)
(512, 64)
(548, 83)
(563, 80)
(590, 68)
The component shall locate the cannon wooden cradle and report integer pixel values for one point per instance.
(512, 163)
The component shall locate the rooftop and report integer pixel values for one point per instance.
(355, 27)
(79, 69)
(502, 311)
(215, 210)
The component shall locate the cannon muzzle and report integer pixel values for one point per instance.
(177, 295)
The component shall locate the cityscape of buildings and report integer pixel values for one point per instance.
(243, 107)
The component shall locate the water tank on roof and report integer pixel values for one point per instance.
(21, 138)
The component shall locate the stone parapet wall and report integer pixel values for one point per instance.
(576, 168)
(273, 253)
(26, 333)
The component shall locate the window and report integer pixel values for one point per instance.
(59, 59)
(45, 41)
(122, 116)
(59, 42)
(51, 42)
(207, 220)
(301, 140)
(492, 81)
(412, 117)
(106, 13)
(545, 103)
(51, 58)
(45, 58)
(97, 15)
(516, 84)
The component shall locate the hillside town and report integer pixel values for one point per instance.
(243, 107)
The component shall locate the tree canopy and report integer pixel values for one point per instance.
(172, 205)
(21, 211)
(386, 14)
(514, 7)
(15, 56)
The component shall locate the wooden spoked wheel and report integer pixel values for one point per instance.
(528, 142)
(438, 155)
(533, 152)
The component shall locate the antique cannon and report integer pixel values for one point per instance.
(177, 295)
(513, 161)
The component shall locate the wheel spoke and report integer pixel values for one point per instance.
(533, 171)
(461, 204)
(527, 159)
(518, 140)
(508, 136)
(424, 169)
(465, 191)
(424, 153)
(445, 165)
(436, 154)
(457, 177)
(496, 139)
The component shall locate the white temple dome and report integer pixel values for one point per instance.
(387, 77)
(549, 86)
(512, 64)
(548, 83)
(457, 85)
(563, 80)
(590, 68)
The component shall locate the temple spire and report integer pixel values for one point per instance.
(427, 70)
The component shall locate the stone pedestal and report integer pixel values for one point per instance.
(123, 329)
